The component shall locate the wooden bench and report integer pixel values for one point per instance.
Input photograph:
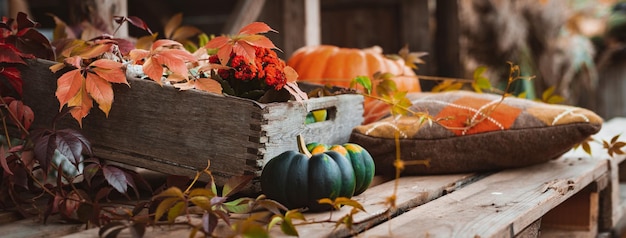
(576, 195)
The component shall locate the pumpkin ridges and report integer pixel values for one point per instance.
(309, 67)
(271, 184)
(363, 166)
(320, 167)
(300, 179)
(334, 72)
(360, 160)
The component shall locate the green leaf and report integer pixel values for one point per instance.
(386, 87)
(241, 205)
(253, 230)
(364, 81)
(287, 225)
(288, 228)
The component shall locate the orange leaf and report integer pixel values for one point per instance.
(138, 54)
(95, 51)
(153, 69)
(259, 41)
(246, 50)
(217, 42)
(74, 61)
(255, 28)
(56, 67)
(185, 86)
(109, 70)
(164, 43)
(101, 91)
(290, 74)
(224, 53)
(209, 85)
(68, 85)
(175, 60)
(82, 104)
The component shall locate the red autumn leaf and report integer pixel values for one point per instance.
(23, 113)
(3, 161)
(10, 54)
(14, 78)
(136, 21)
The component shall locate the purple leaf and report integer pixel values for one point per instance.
(44, 148)
(77, 141)
(116, 178)
(136, 21)
(209, 222)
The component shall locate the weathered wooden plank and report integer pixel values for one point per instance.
(500, 205)
(412, 191)
(610, 202)
(578, 213)
(172, 131)
(32, 227)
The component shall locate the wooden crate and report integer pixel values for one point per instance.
(177, 132)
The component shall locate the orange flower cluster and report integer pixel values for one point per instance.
(266, 72)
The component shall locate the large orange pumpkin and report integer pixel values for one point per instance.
(327, 64)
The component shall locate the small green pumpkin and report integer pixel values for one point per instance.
(361, 160)
(299, 179)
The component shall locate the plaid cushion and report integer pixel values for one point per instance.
(515, 133)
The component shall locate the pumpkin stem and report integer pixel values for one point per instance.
(302, 146)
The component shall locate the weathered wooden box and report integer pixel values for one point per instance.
(177, 132)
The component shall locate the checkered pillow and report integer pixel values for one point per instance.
(516, 133)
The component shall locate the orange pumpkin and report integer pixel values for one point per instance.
(327, 64)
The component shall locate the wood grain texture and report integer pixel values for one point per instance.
(172, 131)
(500, 205)
(32, 227)
(412, 191)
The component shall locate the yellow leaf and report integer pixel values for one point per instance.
(202, 202)
(175, 211)
(164, 206)
(171, 192)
